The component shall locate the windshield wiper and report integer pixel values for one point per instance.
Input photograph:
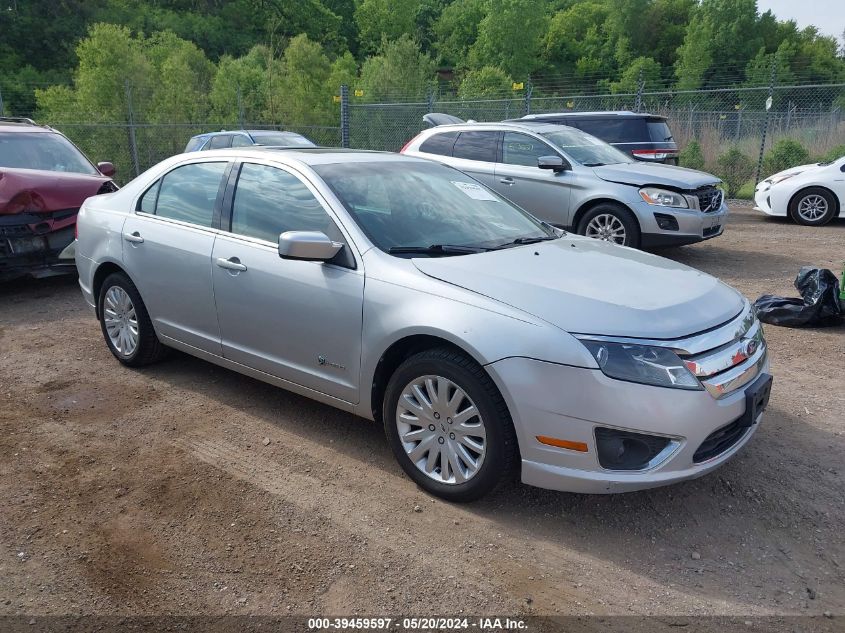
(593, 164)
(527, 240)
(435, 249)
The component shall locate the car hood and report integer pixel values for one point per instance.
(591, 287)
(640, 174)
(32, 191)
(793, 171)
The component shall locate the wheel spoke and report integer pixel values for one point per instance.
(467, 414)
(421, 448)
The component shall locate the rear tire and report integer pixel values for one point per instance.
(813, 206)
(451, 432)
(126, 324)
(610, 223)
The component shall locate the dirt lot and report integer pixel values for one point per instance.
(152, 492)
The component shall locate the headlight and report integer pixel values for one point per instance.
(642, 364)
(663, 198)
(780, 178)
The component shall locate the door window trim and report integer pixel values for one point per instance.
(218, 201)
(228, 200)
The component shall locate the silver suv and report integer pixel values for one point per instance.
(576, 181)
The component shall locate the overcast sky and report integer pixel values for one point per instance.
(827, 15)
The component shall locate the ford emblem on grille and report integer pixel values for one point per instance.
(749, 347)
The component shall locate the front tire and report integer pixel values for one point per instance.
(610, 223)
(448, 425)
(812, 207)
(126, 324)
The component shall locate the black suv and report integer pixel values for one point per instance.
(646, 137)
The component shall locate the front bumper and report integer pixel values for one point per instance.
(763, 200)
(25, 252)
(569, 403)
(693, 225)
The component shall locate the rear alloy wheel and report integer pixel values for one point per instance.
(812, 207)
(448, 425)
(610, 223)
(126, 323)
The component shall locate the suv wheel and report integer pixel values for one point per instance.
(448, 425)
(126, 323)
(610, 223)
(812, 207)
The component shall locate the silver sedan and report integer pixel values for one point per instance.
(408, 293)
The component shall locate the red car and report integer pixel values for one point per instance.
(44, 179)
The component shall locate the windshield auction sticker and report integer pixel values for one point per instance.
(474, 191)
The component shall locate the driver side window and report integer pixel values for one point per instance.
(521, 149)
(269, 201)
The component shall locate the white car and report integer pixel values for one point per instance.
(810, 194)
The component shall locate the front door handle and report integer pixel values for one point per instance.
(133, 237)
(506, 181)
(233, 263)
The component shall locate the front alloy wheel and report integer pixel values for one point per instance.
(813, 207)
(441, 429)
(606, 227)
(448, 425)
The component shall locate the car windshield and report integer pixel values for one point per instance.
(288, 139)
(585, 149)
(408, 204)
(45, 151)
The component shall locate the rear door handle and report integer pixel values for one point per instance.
(133, 237)
(506, 181)
(233, 263)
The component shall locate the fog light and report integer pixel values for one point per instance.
(623, 450)
(666, 222)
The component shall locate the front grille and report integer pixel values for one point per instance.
(719, 441)
(709, 199)
(15, 230)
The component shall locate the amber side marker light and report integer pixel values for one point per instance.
(581, 447)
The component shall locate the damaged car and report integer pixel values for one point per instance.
(44, 179)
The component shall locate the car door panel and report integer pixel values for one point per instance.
(169, 257)
(543, 192)
(296, 320)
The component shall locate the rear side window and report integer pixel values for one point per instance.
(477, 146)
(521, 149)
(440, 144)
(658, 131)
(220, 142)
(147, 203)
(194, 144)
(241, 140)
(188, 193)
(616, 130)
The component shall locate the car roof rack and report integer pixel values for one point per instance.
(18, 119)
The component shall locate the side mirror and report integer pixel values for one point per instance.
(107, 169)
(307, 245)
(554, 163)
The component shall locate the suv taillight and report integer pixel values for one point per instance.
(405, 146)
(654, 154)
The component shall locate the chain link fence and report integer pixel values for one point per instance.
(811, 114)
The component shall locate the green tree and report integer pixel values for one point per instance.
(456, 30)
(246, 75)
(786, 153)
(695, 56)
(400, 70)
(305, 95)
(692, 156)
(642, 67)
(487, 82)
(379, 19)
(181, 76)
(735, 169)
(509, 36)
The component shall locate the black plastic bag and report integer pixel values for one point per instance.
(818, 306)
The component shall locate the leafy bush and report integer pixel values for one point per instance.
(832, 155)
(692, 156)
(734, 168)
(786, 153)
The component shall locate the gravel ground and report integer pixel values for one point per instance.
(156, 492)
